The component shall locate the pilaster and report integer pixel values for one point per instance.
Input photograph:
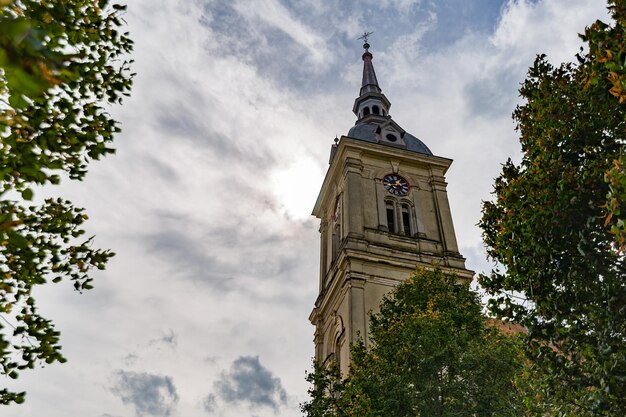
(353, 224)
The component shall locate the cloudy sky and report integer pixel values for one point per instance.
(204, 310)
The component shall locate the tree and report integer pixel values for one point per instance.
(432, 354)
(615, 205)
(550, 231)
(607, 65)
(61, 63)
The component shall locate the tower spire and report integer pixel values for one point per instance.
(369, 83)
(371, 100)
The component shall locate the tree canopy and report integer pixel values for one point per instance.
(431, 354)
(606, 65)
(556, 226)
(61, 65)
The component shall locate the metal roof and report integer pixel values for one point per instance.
(367, 132)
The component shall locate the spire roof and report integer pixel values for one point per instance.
(371, 100)
(369, 83)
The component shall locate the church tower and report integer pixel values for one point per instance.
(384, 209)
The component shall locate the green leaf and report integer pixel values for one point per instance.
(17, 101)
(27, 194)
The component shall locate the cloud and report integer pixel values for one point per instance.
(209, 253)
(149, 394)
(248, 382)
(192, 261)
(169, 339)
(274, 14)
(209, 403)
(268, 35)
(131, 359)
(551, 26)
(483, 95)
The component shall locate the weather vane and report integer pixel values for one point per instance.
(365, 36)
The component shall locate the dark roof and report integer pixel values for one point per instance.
(369, 83)
(367, 133)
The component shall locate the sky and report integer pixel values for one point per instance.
(207, 203)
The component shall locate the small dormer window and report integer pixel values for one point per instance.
(375, 110)
(391, 137)
(366, 111)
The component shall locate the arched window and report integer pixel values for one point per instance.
(375, 110)
(337, 350)
(384, 113)
(336, 240)
(335, 342)
(399, 216)
(366, 111)
(406, 219)
(391, 216)
(336, 231)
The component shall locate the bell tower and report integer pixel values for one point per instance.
(384, 209)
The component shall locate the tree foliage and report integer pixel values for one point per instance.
(61, 64)
(606, 65)
(431, 354)
(555, 234)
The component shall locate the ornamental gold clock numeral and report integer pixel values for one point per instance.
(396, 185)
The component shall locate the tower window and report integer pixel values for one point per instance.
(406, 220)
(400, 217)
(336, 240)
(366, 111)
(338, 352)
(375, 110)
(391, 218)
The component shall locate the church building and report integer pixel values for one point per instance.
(384, 209)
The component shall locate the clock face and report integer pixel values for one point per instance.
(396, 185)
